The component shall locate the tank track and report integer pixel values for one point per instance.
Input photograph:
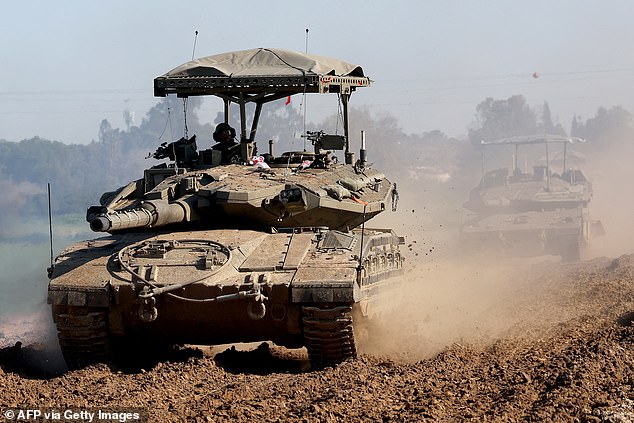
(328, 334)
(83, 335)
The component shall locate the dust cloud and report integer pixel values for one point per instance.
(27, 331)
(445, 296)
(450, 295)
(28, 337)
(16, 194)
(611, 173)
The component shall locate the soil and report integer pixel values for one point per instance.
(545, 342)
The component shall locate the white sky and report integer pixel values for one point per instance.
(66, 65)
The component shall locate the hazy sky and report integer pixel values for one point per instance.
(66, 65)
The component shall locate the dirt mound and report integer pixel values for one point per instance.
(545, 342)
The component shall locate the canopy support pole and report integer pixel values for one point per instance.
(344, 101)
(256, 120)
(227, 104)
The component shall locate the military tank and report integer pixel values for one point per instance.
(531, 212)
(224, 245)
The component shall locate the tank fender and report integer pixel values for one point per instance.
(326, 291)
(79, 296)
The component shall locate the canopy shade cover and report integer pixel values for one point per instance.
(534, 139)
(261, 70)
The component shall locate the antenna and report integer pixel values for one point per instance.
(185, 98)
(50, 228)
(185, 114)
(547, 169)
(304, 96)
(360, 266)
(195, 39)
(168, 121)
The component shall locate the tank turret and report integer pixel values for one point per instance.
(336, 196)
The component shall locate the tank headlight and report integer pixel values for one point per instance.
(292, 195)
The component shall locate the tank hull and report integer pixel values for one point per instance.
(528, 234)
(221, 286)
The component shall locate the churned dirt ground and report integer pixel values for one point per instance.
(540, 341)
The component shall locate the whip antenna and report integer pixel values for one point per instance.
(304, 96)
(360, 266)
(195, 39)
(50, 227)
(185, 98)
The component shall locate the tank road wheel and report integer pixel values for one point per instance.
(328, 335)
(83, 335)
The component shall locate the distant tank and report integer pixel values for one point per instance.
(531, 212)
(223, 245)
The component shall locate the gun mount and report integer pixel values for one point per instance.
(182, 152)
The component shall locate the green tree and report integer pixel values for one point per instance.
(607, 126)
(609, 130)
(503, 118)
(547, 125)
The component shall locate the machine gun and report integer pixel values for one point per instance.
(323, 141)
(183, 152)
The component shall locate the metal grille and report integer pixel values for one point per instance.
(336, 240)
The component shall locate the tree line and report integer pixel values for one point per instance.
(80, 173)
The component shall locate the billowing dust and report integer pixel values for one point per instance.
(450, 296)
(611, 173)
(28, 342)
(26, 323)
(449, 301)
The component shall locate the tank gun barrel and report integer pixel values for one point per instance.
(152, 213)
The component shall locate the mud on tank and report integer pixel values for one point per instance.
(224, 245)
